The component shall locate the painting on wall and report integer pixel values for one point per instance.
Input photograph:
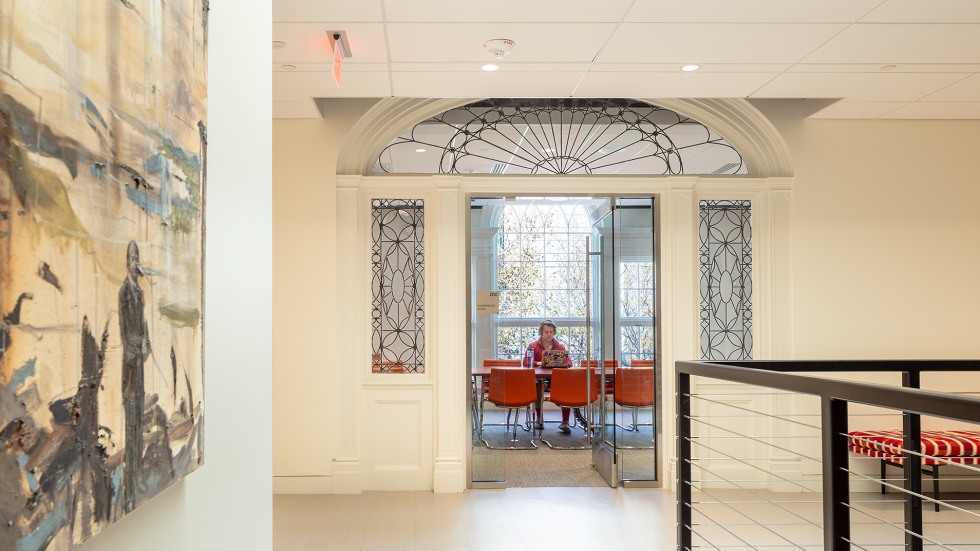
(102, 183)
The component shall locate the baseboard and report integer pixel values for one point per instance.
(347, 477)
(449, 477)
(301, 485)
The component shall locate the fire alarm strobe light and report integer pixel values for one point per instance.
(499, 47)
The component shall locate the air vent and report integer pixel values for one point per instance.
(498, 168)
(725, 168)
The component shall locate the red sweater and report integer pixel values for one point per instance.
(539, 351)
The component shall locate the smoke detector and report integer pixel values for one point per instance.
(499, 47)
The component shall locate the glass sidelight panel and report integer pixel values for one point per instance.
(725, 229)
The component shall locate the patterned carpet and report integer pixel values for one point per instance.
(545, 467)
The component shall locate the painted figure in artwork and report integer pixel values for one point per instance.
(136, 349)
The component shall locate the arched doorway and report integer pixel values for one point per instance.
(436, 392)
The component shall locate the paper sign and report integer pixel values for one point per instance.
(487, 302)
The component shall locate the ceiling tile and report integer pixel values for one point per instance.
(888, 43)
(308, 42)
(715, 42)
(928, 110)
(857, 109)
(707, 68)
(327, 67)
(295, 86)
(318, 10)
(560, 42)
(856, 86)
(522, 11)
(750, 11)
(877, 68)
(295, 110)
(505, 67)
(672, 85)
(967, 90)
(933, 11)
(484, 85)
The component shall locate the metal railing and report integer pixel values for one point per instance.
(835, 396)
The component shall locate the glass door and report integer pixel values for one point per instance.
(601, 342)
(622, 341)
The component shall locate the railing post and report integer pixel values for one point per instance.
(684, 516)
(912, 469)
(836, 490)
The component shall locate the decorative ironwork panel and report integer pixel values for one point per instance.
(397, 286)
(726, 280)
(560, 136)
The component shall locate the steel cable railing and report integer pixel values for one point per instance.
(763, 460)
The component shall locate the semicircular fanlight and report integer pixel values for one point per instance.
(560, 136)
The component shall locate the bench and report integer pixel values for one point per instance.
(938, 447)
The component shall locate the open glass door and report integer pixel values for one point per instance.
(601, 343)
(622, 341)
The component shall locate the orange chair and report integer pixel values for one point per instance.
(634, 390)
(641, 363)
(511, 388)
(568, 390)
(607, 363)
(491, 362)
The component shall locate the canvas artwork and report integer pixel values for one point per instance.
(102, 184)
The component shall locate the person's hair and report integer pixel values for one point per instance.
(546, 322)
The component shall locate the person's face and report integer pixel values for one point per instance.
(547, 333)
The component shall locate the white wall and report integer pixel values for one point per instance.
(227, 504)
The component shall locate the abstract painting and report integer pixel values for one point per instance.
(102, 183)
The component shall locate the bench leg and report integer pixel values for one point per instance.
(883, 464)
(935, 486)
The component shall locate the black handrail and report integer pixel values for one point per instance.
(835, 396)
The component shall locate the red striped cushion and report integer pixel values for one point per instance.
(960, 446)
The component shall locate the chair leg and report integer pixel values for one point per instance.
(935, 486)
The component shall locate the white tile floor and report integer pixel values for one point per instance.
(539, 519)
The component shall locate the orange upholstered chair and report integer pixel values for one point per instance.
(569, 389)
(634, 389)
(513, 389)
(608, 364)
(492, 362)
(641, 363)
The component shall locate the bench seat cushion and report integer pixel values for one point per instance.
(940, 446)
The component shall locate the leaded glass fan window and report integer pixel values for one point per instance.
(726, 280)
(397, 286)
(560, 136)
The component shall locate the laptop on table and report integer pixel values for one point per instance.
(554, 358)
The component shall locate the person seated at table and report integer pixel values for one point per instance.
(547, 341)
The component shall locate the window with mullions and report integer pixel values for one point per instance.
(636, 310)
(541, 275)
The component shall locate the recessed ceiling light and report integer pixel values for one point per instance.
(490, 67)
(278, 44)
(887, 68)
(689, 68)
(420, 150)
(288, 67)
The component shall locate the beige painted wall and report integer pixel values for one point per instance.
(304, 156)
(884, 255)
(885, 229)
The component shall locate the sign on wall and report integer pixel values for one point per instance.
(487, 302)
